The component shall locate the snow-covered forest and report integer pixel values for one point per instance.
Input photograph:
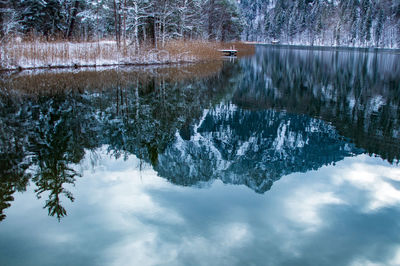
(145, 21)
(359, 23)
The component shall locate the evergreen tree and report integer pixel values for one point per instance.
(42, 16)
(379, 27)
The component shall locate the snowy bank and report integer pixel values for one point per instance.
(37, 54)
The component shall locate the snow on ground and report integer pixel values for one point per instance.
(37, 54)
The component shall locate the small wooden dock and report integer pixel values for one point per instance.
(229, 52)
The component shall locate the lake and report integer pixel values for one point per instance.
(287, 157)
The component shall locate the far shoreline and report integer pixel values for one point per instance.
(328, 48)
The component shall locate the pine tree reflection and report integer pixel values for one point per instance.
(14, 156)
(62, 133)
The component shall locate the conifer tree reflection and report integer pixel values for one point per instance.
(13, 150)
(13, 178)
(358, 92)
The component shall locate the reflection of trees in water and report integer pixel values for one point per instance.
(49, 133)
(252, 148)
(357, 92)
(13, 150)
(62, 130)
(44, 136)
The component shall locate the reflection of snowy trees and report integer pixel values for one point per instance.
(46, 136)
(357, 92)
(252, 148)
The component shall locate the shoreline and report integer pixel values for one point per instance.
(151, 58)
(328, 48)
(95, 66)
(19, 56)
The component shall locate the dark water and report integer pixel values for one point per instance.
(290, 157)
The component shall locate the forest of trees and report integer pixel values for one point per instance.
(134, 20)
(365, 23)
(360, 23)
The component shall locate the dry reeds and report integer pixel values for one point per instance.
(38, 53)
(244, 49)
(200, 50)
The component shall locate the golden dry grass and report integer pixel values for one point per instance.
(202, 50)
(244, 49)
(39, 53)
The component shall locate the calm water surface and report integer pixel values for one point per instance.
(289, 157)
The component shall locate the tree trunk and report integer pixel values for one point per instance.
(223, 32)
(155, 33)
(137, 26)
(124, 22)
(97, 21)
(137, 99)
(183, 19)
(73, 19)
(211, 20)
(2, 6)
(162, 27)
(117, 37)
(144, 34)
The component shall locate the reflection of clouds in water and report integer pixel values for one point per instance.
(147, 247)
(303, 207)
(128, 209)
(396, 258)
(374, 179)
(128, 217)
(124, 195)
(365, 262)
(148, 224)
(234, 235)
(141, 247)
(155, 230)
(395, 261)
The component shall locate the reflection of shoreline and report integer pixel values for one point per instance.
(356, 92)
(252, 148)
(130, 112)
(328, 47)
(100, 78)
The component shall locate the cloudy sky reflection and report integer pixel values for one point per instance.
(346, 214)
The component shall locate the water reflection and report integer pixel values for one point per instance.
(251, 122)
(46, 134)
(357, 92)
(253, 148)
(319, 217)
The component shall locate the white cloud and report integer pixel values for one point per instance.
(145, 223)
(394, 261)
(304, 206)
(375, 180)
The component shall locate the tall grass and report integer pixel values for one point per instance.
(38, 53)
